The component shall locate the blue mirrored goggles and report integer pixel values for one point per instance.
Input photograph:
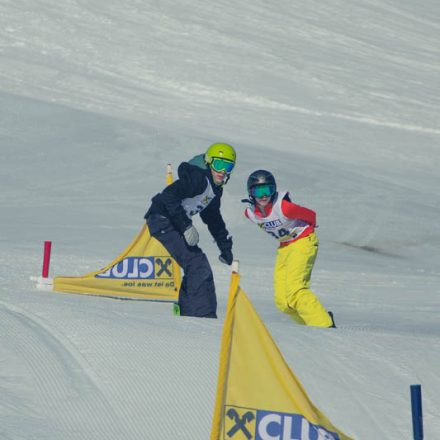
(220, 165)
(261, 191)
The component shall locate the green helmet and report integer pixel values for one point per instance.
(220, 151)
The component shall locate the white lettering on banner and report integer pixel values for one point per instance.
(149, 268)
(263, 426)
(258, 424)
(274, 426)
(120, 270)
(131, 268)
(287, 429)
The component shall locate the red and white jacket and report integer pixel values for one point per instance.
(283, 219)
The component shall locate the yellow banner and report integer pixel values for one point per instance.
(258, 396)
(145, 270)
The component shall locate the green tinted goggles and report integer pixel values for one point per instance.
(220, 165)
(261, 191)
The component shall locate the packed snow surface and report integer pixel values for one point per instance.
(339, 99)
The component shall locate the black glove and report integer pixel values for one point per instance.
(225, 247)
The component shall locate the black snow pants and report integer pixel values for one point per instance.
(197, 291)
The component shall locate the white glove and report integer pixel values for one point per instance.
(191, 236)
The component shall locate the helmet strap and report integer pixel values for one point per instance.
(225, 181)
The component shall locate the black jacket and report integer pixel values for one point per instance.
(191, 182)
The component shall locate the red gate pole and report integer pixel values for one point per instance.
(46, 259)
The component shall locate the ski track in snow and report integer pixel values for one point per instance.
(340, 99)
(68, 390)
(119, 86)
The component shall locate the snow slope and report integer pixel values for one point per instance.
(340, 99)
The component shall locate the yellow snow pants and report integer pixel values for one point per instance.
(292, 272)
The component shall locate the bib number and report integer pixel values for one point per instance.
(281, 233)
